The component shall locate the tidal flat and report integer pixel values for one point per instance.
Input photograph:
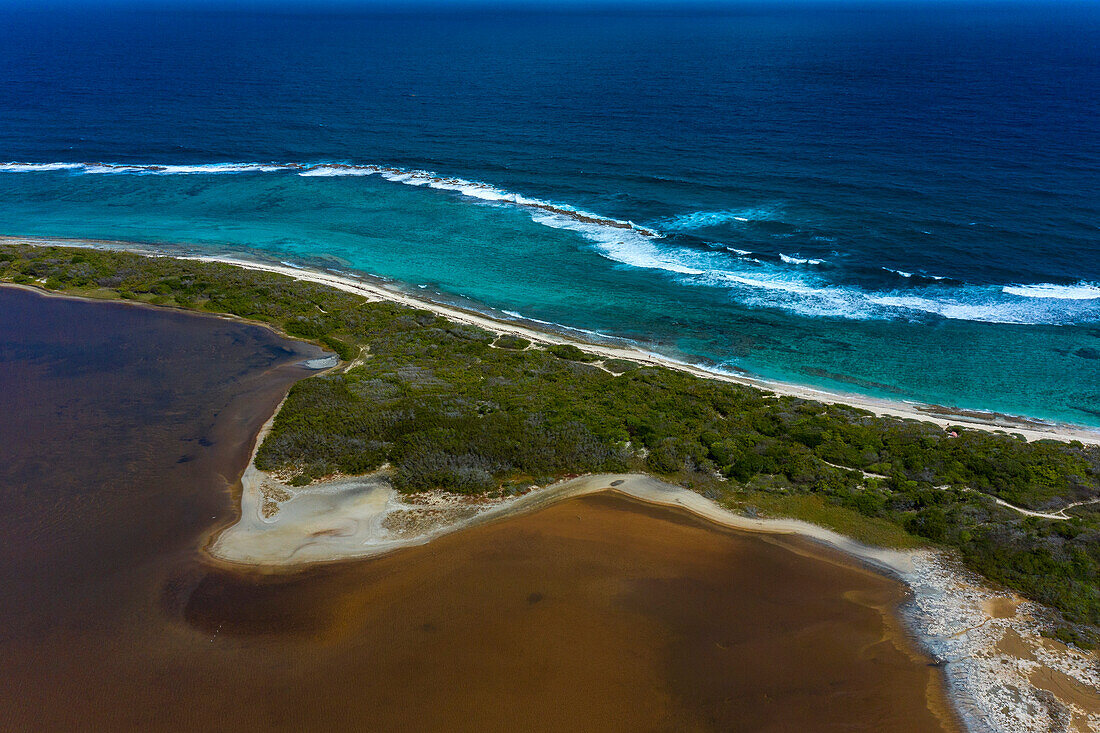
(126, 431)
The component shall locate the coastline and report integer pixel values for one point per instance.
(373, 289)
(953, 615)
(998, 671)
(547, 368)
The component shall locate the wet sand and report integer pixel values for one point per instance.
(283, 527)
(124, 431)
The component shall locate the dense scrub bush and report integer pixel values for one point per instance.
(449, 411)
(511, 341)
(570, 352)
(620, 366)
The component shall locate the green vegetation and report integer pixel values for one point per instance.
(447, 410)
(818, 510)
(571, 352)
(511, 341)
(620, 366)
(345, 351)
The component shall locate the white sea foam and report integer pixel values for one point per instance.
(794, 260)
(109, 168)
(1078, 291)
(789, 286)
(627, 246)
(144, 169)
(786, 285)
(704, 219)
(216, 168)
(35, 167)
(909, 275)
(337, 170)
(978, 309)
(471, 189)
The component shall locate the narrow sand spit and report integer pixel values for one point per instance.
(375, 290)
(1002, 674)
(283, 526)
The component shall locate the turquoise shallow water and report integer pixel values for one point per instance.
(895, 199)
(495, 255)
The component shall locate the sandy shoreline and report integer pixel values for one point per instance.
(375, 290)
(1001, 673)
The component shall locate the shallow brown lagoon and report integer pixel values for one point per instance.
(123, 431)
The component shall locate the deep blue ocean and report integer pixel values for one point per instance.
(896, 199)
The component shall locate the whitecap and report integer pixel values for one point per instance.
(213, 168)
(113, 168)
(1077, 291)
(908, 275)
(471, 189)
(757, 284)
(749, 281)
(794, 260)
(323, 171)
(35, 167)
(626, 246)
(704, 219)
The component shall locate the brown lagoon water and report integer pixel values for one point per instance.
(123, 432)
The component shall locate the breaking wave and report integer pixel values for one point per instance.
(705, 219)
(1079, 291)
(794, 260)
(916, 276)
(781, 282)
(472, 189)
(779, 285)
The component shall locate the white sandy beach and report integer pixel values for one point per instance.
(1030, 429)
(376, 290)
(1003, 675)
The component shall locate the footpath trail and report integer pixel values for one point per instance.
(1059, 515)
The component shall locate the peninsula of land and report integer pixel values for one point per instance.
(435, 419)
